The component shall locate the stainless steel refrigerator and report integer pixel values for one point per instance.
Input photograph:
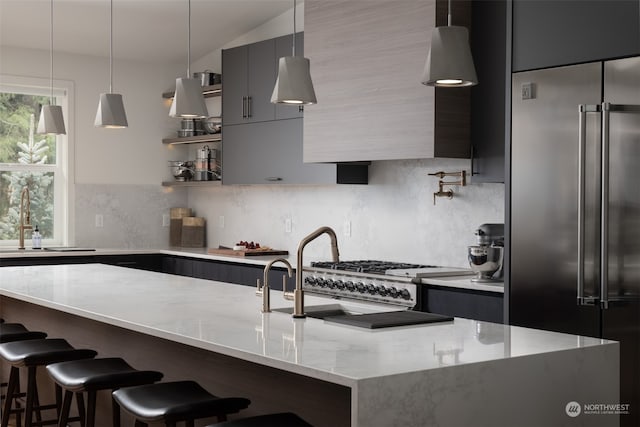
(575, 207)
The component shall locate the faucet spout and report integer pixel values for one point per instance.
(298, 294)
(265, 289)
(25, 217)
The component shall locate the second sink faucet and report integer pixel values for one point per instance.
(264, 289)
(298, 294)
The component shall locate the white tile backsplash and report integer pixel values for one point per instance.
(393, 218)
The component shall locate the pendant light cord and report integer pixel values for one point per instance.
(449, 14)
(111, 48)
(189, 39)
(51, 51)
(293, 50)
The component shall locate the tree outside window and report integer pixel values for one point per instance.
(26, 160)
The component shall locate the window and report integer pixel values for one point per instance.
(37, 162)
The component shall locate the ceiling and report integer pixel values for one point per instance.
(149, 30)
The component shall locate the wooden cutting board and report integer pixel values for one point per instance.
(247, 252)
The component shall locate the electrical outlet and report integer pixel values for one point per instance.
(99, 221)
(346, 228)
(221, 221)
(287, 225)
(527, 91)
(165, 220)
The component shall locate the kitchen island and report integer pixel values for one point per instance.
(459, 373)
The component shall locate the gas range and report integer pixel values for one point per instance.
(371, 280)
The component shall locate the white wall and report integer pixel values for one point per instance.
(110, 156)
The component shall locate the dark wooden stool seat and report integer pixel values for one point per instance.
(284, 419)
(172, 402)
(93, 375)
(30, 354)
(17, 332)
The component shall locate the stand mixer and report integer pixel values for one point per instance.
(486, 257)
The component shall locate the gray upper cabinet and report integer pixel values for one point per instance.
(284, 47)
(367, 59)
(262, 142)
(548, 33)
(249, 73)
(270, 153)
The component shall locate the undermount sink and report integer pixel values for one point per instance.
(319, 311)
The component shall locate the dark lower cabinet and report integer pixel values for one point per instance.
(240, 274)
(467, 303)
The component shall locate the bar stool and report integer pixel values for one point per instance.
(173, 402)
(283, 419)
(17, 332)
(93, 375)
(10, 332)
(30, 354)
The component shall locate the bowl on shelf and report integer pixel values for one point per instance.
(212, 124)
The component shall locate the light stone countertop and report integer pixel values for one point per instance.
(226, 318)
(458, 373)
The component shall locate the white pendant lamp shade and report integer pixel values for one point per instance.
(449, 62)
(188, 101)
(51, 121)
(111, 112)
(293, 85)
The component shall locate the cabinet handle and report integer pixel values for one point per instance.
(301, 109)
(273, 178)
(244, 107)
(249, 106)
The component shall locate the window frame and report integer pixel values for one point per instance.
(64, 174)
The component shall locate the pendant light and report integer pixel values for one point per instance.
(51, 120)
(293, 85)
(111, 112)
(188, 100)
(449, 62)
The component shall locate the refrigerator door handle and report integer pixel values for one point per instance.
(582, 137)
(604, 209)
(607, 109)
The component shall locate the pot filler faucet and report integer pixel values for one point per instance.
(25, 220)
(298, 295)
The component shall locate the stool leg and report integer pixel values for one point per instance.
(222, 418)
(91, 409)
(189, 423)
(140, 424)
(82, 413)
(36, 405)
(115, 410)
(13, 376)
(170, 424)
(64, 411)
(31, 390)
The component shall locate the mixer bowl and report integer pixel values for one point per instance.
(485, 261)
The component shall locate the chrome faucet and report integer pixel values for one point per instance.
(25, 220)
(264, 289)
(298, 295)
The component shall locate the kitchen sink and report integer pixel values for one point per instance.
(341, 314)
(319, 311)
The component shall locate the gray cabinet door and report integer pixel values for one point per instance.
(261, 78)
(234, 85)
(284, 47)
(270, 153)
(548, 33)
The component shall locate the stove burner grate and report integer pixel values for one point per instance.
(367, 266)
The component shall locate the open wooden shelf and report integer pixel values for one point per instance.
(207, 91)
(191, 183)
(213, 137)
